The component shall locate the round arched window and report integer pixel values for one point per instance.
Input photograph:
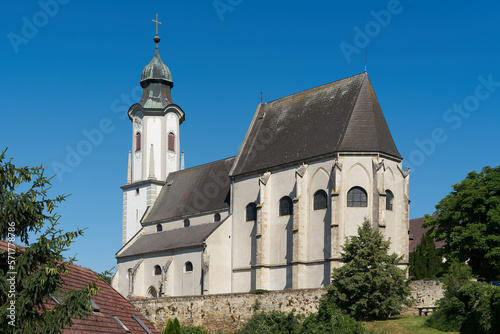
(320, 200)
(356, 197)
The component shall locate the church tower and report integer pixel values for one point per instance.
(155, 143)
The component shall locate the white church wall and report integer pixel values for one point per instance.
(358, 173)
(245, 191)
(152, 129)
(319, 220)
(218, 255)
(135, 208)
(171, 161)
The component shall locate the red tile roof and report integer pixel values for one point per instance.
(417, 231)
(108, 299)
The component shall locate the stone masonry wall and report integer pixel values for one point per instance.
(228, 312)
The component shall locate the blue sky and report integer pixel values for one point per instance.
(71, 68)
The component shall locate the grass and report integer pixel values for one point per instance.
(402, 325)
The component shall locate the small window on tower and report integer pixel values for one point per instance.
(138, 141)
(171, 142)
(187, 222)
(217, 217)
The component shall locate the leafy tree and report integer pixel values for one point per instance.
(468, 220)
(369, 285)
(467, 306)
(425, 263)
(31, 275)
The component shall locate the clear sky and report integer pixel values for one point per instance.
(71, 69)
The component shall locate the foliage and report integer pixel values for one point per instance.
(468, 220)
(273, 322)
(173, 327)
(330, 319)
(31, 275)
(369, 285)
(425, 263)
(468, 306)
(259, 291)
(194, 330)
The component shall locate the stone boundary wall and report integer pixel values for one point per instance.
(228, 312)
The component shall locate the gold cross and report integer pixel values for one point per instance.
(157, 22)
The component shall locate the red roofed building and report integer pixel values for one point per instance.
(416, 232)
(112, 313)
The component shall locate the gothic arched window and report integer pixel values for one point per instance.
(356, 197)
(217, 217)
(171, 142)
(159, 228)
(251, 212)
(138, 141)
(188, 267)
(286, 206)
(157, 270)
(320, 200)
(187, 222)
(389, 198)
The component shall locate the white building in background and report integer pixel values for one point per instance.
(312, 166)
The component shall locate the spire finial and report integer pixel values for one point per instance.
(157, 38)
(366, 54)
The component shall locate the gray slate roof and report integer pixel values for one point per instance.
(185, 237)
(192, 191)
(342, 116)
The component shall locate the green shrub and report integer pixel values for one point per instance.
(173, 327)
(467, 306)
(329, 319)
(194, 330)
(273, 322)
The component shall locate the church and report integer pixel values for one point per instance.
(312, 166)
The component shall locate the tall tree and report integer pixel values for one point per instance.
(468, 220)
(369, 285)
(425, 262)
(30, 276)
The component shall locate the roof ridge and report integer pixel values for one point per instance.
(202, 165)
(345, 126)
(313, 88)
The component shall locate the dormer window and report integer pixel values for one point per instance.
(171, 142)
(137, 141)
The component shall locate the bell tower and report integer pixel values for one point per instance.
(155, 142)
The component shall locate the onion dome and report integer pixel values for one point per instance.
(156, 70)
